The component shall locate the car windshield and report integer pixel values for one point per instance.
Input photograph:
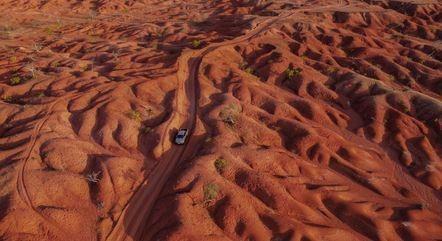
(181, 134)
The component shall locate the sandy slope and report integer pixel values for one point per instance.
(310, 120)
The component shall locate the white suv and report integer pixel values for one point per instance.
(181, 136)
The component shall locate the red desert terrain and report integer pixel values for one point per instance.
(308, 120)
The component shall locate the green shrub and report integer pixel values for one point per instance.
(49, 30)
(291, 72)
(332, 70)
(15, 80)
(229, 114)
(250, 70)
(220, 164)
(55, 64)
(196, 43)
(135, 115)
(210, 192)
(246, 68)
(7, 98)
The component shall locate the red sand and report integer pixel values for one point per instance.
(310, 120)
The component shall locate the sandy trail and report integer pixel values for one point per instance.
(130, 224)
(21, 177)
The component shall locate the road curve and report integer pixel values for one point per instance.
(129, 226)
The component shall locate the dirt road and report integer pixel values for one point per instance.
(136, 213)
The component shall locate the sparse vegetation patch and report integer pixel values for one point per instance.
(36, 47)
(332, 70)
(229, 114)
(15, 80)
(7, 98)
(5, 31)
(40, 95)
(220, 164)
(210, 192)
(93, 177)
(292, 72)
(145, 129)
(135, 115)
(196, 43)
(247, 68)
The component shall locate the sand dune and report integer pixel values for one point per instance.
(309, 120)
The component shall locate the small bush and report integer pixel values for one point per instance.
(37, 47)
(208, 139)
(246, 68)
(93, 177)
(210, 192)
(116, 53)
(6, 28)
(5, 31)
(250, 70)
(49, 30)
(7, 98)
(291, 72)
(145, 129)
(150, 111)
(15, 80)
(58, 24)
(54, 27)
(83, 67)
(196, 43)
(32, 71)
(220, 164)
(161, 33)
(397, 37)
(55, 64)
(229, 114)
(100, 205)
(332, 70)
(135, 115)
(155, 45)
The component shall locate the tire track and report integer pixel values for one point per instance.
(137, 211)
